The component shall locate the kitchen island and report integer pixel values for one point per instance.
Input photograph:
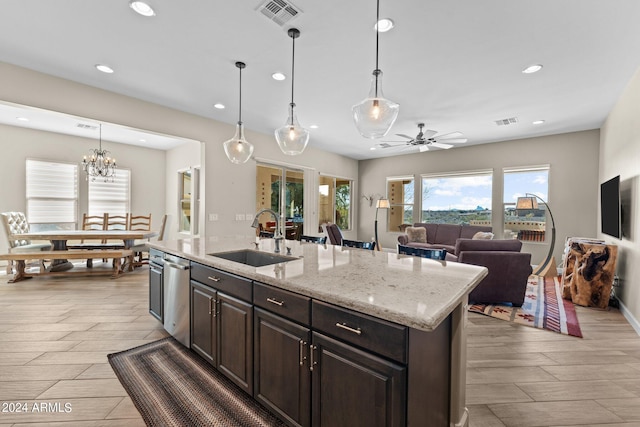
(373, 338)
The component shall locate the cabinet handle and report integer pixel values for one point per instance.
(210, 305)
(348, 328)
(302, 356)
(156, 270)
(215, 307)
(214, 278)
(312, 362)
(275, 301)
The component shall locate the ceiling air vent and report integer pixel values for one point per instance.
(279, 11)
(86, 126)
(509, 121)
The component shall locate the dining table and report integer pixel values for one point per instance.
(59, 239)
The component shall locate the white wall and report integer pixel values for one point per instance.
(620, 155)
(18, 144)
(573, 181)
(228, 188)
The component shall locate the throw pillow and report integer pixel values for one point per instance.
(417, 234)
(482, 235)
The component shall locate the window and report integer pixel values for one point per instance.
(287, 198)
(334, 201)
(400, 192)
(457, 198)
(110, 197)
(527, 223)
(52, 195)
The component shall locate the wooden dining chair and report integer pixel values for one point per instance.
(116, 222)
(439, 254)
(94, 222)
(314, 239)
(359, 244)
(140, 248)
(139, 222)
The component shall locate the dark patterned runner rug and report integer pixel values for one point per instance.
(543, 308)
(172, 386)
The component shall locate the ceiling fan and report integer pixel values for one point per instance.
(426, 138)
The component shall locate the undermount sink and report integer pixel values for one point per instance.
(253, 258)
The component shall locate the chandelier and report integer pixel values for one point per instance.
(99, 164)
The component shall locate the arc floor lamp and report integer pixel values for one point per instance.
(548, 267)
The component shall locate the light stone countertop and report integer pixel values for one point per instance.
(416, 292)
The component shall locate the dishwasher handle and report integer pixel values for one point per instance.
(174, 265)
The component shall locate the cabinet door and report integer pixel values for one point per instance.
(235, 340)
(155, 292)
(282, 380)
(354, 388)
(203, 330)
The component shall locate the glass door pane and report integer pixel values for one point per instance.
(268, 188)
(294, 203)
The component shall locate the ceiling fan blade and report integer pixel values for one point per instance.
(445, 146)
(426, 134)
(404, 136)
(385, 145)
(450, 135)
(423, 148)
(453, 141)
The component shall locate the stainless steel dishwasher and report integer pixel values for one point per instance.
(176, 298)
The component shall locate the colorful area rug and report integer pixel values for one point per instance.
(543, 308)
(172, 386)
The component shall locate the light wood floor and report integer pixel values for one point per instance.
(55, 334)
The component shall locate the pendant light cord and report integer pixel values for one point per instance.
(293, 61)
(376, 72)
(240, 107)
(100, 137)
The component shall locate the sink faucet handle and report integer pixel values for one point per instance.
(288, 250)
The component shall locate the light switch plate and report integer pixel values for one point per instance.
(213, 217)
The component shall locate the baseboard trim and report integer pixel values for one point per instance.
(627, 315)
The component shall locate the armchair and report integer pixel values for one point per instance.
(16, 223)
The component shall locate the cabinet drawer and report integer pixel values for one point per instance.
(382, 337)
(287, 304)
(226, 282)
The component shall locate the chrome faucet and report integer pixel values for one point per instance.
(277, 235)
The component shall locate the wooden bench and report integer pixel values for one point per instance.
(20, 259)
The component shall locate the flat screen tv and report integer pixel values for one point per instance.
(610, 207)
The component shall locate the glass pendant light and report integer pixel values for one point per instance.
(292, 138)
(238, 149)
(375, 114)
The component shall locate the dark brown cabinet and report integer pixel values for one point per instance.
(235, 340)
(155, 292)
(355, 388)
(203, 325)
(222, 326)
(281, 367)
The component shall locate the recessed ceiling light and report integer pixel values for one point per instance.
(314, 126)
(142, 8)
(22, 119)
(532, 69)
(219, 106)
(278, 76)
(538, 122)
(372, 148)
(383, 25)
(142, 140)
(104, 68)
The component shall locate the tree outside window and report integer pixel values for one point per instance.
(334, 201)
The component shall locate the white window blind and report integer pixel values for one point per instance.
(52, 192)
(110, 197)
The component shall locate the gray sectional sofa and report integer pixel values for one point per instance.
(508, 268)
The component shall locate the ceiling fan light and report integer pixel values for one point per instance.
(292, 138)
(375, 114)
(142, 8)
(238, 149)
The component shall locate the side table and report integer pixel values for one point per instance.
(589, 270)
